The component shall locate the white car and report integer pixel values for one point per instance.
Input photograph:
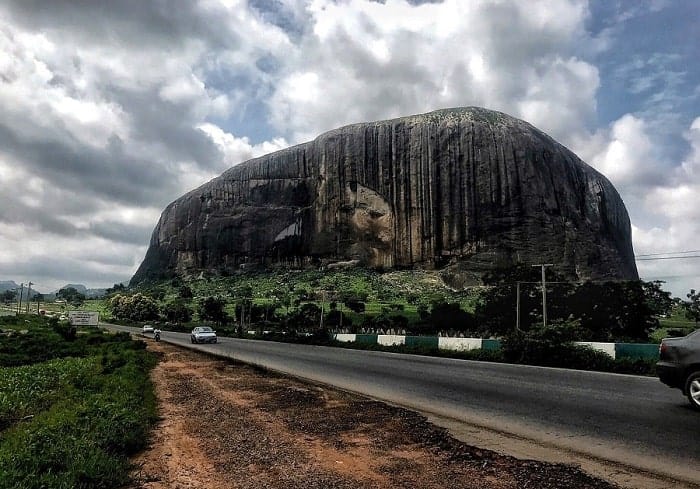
(203, 334)
(147, 328)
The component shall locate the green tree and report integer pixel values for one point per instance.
(212, 308)
(336, 318)
(692, 306)
(185, 292)
(446, 316)
(612, 311)
(116, 288)
(177, 312)
(307, 317)
(8, 296)
(387, 321)
(71, 295)
(138, 307)
(355, 305)
(658, 300)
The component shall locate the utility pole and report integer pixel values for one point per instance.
(323, 299)
(544, 292)
(517, 306)
(19, 304)
(340, 304)
(29, 294)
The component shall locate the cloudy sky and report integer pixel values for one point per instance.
(111, 110)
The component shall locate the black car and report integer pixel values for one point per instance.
(679, 365)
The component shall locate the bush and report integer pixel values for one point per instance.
(550, 346)
(137, 307)
(67, 331)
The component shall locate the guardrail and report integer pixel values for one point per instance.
(614, 350)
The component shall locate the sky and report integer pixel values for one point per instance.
(111, 110)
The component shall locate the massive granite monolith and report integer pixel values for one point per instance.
(467, 188)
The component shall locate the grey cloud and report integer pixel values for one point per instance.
(58, 269)
(103, 174)
(13, 211)
(163, 135)
(122, 233)
(107, 257)
(170, 125)
(135, 23)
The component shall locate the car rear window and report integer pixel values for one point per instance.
(205, 330)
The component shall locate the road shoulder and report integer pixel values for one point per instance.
(226, 424)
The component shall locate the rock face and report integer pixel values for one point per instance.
(467, 188)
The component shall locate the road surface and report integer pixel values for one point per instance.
(630, 420)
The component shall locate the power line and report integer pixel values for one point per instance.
(669, 253)
(668, 258)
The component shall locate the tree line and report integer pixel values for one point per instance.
(593, 311)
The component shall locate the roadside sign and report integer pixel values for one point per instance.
(83, 318)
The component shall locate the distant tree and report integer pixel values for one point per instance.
(612, 311)
(71, 295)
(212, 309)
(692, 306)
(138, 307)
(157, 293)
(450, 316)
(176, 312)
(355, 305)
(386, 321)
(333, 319)
(423, 311)
(286, 301)
(658, 300)
(8, 296)
(116, 288)
(185, 292)
(144, 307)
(307, 317)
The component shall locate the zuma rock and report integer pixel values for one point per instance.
(467, 188)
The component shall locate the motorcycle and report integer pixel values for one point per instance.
(156, 335)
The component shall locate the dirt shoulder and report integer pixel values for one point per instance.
(229, 425)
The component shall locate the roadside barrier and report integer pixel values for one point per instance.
(614, 350)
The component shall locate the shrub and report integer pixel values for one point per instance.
(549, 346)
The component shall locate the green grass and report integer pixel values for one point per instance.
(74, 415)
(676, 324)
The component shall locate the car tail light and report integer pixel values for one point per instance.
(662, 348)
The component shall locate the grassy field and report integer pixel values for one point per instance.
(73, 407)
(676, 324)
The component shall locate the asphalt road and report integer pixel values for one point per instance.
(628, 419)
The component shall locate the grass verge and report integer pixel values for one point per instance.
(73, 407)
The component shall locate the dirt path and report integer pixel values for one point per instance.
(228, 425)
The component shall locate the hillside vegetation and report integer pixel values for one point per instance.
(404, 302)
